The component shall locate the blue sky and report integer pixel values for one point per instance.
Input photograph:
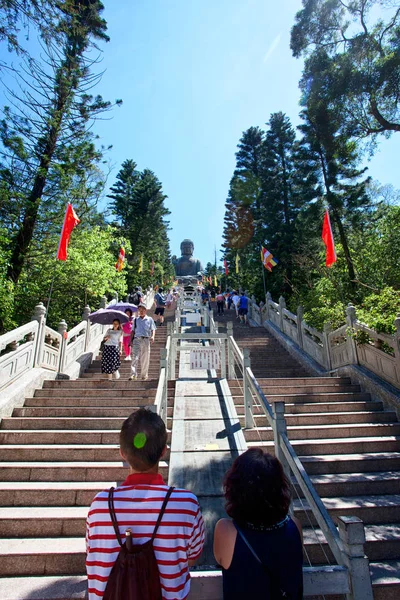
(193, 75)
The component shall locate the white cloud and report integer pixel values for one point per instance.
(272, 47)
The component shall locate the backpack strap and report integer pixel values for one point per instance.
(113, 516)
(160, 516)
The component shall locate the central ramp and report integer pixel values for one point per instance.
(206, 438)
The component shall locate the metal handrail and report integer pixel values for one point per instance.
(321, 514)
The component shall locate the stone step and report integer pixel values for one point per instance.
(25, 423)
(76, 411)
(351, 484)
(317, 407)
(66, 555)
(315, 432)
(382, 543)
(59, 521)
(99, 401)
(301, 389)
(104, 385)
(385, 577)
(345, 463)
(95, 393)
(323, 448)
(51, 493)
(59, 453)
(57, 436)
(311, 397)
(370, 509)
(329, 418)
(67, 471)
(295, 381)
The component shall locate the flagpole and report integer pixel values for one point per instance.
(55, 266)
(263, 273)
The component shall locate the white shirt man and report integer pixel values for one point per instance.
(143, 333)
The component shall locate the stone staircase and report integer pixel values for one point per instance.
(56, 453)
(348, 443)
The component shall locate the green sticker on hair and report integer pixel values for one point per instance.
(139, 440)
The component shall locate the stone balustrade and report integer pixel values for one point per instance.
(351, 344)
(36, 345)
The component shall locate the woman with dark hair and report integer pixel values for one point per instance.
(110, 358)
(260, 549)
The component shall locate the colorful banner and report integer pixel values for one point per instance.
(119, 265)
(327, 237)
(71, 220)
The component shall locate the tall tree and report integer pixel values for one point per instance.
(360, 60)
(55, 113)
(336, 159)
(139, 206)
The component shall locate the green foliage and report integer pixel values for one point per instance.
(379, 311)
(138, 203)
(357, 61)
(87, 275)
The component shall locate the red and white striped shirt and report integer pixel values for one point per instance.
(180, 536)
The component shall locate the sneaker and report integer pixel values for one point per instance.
(132, 378)
(145, 378)
(128, 358)
(117, 374)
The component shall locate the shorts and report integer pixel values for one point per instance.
(159, 310)
(243, 311)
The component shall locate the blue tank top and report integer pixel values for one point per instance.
(280, 549)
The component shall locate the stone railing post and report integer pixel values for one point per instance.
(352, 534)
(85, 317)
(231, 356)
(279, 429)
(282, 306)
(300, 312)
(247, 395)
(62, 330)
(103, 302)
(268, 298)
(327, 345)
(39, 315)
(351, 318)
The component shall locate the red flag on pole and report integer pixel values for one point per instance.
(70, 221)
(226, 267)
(327, 237)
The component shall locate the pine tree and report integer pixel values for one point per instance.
(138, 204)
(56, 110)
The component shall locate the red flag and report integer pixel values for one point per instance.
(70, 221)
(327, 237)
(226, 267)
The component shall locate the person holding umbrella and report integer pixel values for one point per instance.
(110, 358)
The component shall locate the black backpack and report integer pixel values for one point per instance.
(135, 574)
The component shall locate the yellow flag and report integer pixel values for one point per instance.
(237, 262)
(140, 269)
(215, 281)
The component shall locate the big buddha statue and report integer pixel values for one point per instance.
(186, 265)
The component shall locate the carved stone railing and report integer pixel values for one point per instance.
(351, 344)
(17, 352)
